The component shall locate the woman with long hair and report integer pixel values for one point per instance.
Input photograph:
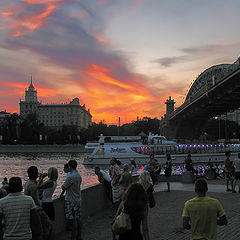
(48, 188)
(135, 204)
(146, 181)
(125, 180)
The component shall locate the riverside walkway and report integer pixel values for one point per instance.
(165, 219)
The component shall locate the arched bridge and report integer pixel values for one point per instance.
(215, 92)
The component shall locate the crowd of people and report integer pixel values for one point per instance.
(201, 214)
(133, 197)
(29, 215)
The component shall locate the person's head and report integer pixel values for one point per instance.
(201, 187)
(5, 179)
(119, 162)
(151, 156)
(228, 153)
(32, 172)
(126, 167)
(168, 156)
(15, 185)
(113, 161)
(145, 179)
(189, 155)
(238, 155)
(135, 198)
(72, 164)
(53, 173)
(133, 163)
(97, 170)
(66, 168)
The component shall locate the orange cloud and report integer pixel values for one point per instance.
(7, 13)
(102, 39)
(10, 108)
(42, 92)
(15, 84)
(41, 1)
(34, 22)
(99, 73)
(109, 97)
(46, 92)
(29, 23)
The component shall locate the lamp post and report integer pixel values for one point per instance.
(219, 128)
(226, 137)
(119, 124)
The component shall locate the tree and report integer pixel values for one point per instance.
(30, 129)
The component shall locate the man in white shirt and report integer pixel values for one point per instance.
(72, 186)
(236, 162)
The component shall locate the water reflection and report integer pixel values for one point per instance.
(17, 165)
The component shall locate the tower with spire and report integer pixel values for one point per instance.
(31, 93)
(31, 103)
(55, 115)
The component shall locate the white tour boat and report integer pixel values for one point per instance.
(127, 148)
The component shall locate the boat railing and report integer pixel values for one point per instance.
(187, 148)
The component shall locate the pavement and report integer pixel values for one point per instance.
(165, 219)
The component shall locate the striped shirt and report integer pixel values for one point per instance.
(16, 208)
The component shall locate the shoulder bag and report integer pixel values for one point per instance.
(122, 223)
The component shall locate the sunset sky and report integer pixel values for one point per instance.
(122, 58)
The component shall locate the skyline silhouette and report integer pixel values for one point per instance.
(121, 58)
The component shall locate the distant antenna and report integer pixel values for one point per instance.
(119, 124)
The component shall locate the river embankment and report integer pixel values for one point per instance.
(72, 148)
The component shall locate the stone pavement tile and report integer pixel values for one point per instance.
(165, 219)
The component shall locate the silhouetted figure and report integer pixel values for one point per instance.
(105, 179)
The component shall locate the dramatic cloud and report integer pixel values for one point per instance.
(29, 16)
(76, 48)
(98, 75)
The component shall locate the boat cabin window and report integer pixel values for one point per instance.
(120, 139)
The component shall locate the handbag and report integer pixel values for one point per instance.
(122, 223)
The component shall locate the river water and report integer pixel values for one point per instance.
(13, 164)
(17, 165)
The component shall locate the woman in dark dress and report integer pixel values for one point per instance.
(135, 204)
(168, 170)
